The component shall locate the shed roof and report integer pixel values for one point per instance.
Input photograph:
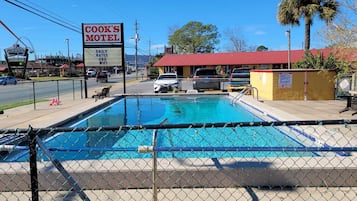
(234, 58)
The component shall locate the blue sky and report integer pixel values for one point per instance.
(255, 19)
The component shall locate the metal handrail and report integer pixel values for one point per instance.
(244, 92)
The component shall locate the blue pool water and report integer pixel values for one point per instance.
(179, 109)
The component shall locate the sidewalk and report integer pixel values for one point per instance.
(46, 115)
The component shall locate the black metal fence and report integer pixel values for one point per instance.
(50, 91)
(293, 160)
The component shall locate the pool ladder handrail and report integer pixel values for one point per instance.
(244, 92)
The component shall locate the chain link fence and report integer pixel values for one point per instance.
(285, 160)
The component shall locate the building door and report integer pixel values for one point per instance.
(179, 71)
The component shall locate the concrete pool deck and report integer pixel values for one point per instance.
(46, 115)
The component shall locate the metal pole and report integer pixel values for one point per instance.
(136, 48)
(34, 95)
(69, 60)
(58, 92)
(289, 48)
(73, 89)
(33, 165)
(81, 81)
(154, 164)
(123, 60)
(84, 66)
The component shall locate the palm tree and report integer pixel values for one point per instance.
(290, 12)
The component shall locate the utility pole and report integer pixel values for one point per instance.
(147, 66)
(69, 60)
(136, 47)
(149, 50)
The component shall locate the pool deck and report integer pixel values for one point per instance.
(46, 115)
(304, 110)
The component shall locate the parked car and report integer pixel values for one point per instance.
(4, 80)
(240, 77)
(206, 78)
(167, 82)
(91, 72)
(102, 77)
(107, 72)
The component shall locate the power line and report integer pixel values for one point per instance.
(48, 17)
(51, 13)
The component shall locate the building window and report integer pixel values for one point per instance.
(169, 69)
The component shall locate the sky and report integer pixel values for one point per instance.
(255, 20)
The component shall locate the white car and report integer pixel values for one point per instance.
(91, 72)
(167, 82)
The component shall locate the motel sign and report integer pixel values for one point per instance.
(103, 47)
(102, 34)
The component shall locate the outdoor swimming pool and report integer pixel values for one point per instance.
(149, 110)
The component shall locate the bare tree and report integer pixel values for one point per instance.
(237, 43)
(343, 32)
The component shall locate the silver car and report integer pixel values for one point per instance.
(206, 78)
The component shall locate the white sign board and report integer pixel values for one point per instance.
(102, 56)
(15, 51)
(285, 80)
(102, 34)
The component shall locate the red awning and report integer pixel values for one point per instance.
(80, 65)
(64, 66)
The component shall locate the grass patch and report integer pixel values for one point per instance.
(21, 103)
(42, 79)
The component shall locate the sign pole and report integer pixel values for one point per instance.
(123, 60)
(84, 68)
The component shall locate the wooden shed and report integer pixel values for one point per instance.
(294, 84)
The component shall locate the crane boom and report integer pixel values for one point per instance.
(9, 30)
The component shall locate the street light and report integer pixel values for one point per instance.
(289, 47)
(69, 60)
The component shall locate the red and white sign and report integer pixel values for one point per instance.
(94, 34)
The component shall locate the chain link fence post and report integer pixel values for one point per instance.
(33, 164)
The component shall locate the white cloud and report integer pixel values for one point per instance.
(158, 48)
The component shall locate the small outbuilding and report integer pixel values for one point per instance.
(294, 84)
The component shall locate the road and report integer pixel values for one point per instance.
(26, 90)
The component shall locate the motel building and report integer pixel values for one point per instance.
(186, 64)
(269, 72)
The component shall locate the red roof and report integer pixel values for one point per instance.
(80, 65)
(64, 66)
(234, 58)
